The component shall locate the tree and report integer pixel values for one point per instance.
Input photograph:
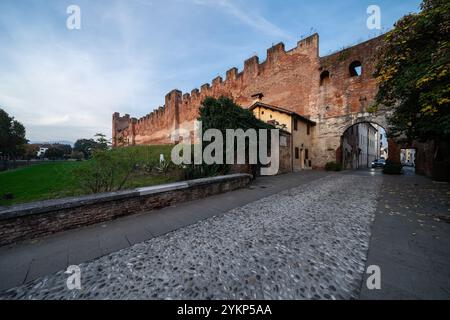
(12, 136)
(77, 155)
(86, 146)
(54, 153)
(66, 149)
(30, 151)
(103, 143)
(413, 73)
(223, 114)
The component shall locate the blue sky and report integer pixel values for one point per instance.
(65, 84)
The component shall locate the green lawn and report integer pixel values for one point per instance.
(57, 180)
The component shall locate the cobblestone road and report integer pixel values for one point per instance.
(303, 243)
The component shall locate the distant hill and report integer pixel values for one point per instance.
(53, 142)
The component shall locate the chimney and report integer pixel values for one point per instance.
(257, 97)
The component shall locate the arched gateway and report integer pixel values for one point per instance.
(380, 119)
(331, 131)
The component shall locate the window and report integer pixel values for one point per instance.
(262, 112)
(308, 129)
(295, 124)
(324, 77)
(355, 69)
(297, 153)
(306, 154)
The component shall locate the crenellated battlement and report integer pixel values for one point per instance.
(231, 74)
(251, 66)
(217, 81)
(186, 98)
(275, 53)
(195, 93)
(205, 88)
(290, 78)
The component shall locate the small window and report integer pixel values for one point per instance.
(324, 77)
(355, 69)
(297, 153)
(308, 129)
(306, 154)
(295, 124)
(262, 112)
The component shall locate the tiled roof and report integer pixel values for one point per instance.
(282, 110)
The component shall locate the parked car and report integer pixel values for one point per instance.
(378, 163)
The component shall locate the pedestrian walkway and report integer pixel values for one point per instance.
(411, 239)
(24, 262)
(308, 242)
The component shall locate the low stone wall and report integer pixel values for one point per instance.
(38, 219)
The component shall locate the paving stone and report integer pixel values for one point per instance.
(309, 242)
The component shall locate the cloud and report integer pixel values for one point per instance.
(60, 85)
(253, 19)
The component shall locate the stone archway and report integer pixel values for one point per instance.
(361, 145)
(330, 130)
(394, 149)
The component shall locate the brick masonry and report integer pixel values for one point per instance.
(28, 221)
(292, 79)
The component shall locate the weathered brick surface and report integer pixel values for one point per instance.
(289, 79)
(44, 218)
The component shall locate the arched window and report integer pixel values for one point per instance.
(324, 77)
(355, 69)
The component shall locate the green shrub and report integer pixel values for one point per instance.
(77, 155)
(392, 168)
(164, 167)
(106, 171)
(114, 170)
(191, 172)
(333, 166)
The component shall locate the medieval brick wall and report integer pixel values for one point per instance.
(295, 80)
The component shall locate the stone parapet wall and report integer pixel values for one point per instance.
(28, 221)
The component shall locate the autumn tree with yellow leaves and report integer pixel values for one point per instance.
(413, 74)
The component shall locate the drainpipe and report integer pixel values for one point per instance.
(367, 145)
(292, 144)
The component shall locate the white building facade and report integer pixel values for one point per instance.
(360, 146)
